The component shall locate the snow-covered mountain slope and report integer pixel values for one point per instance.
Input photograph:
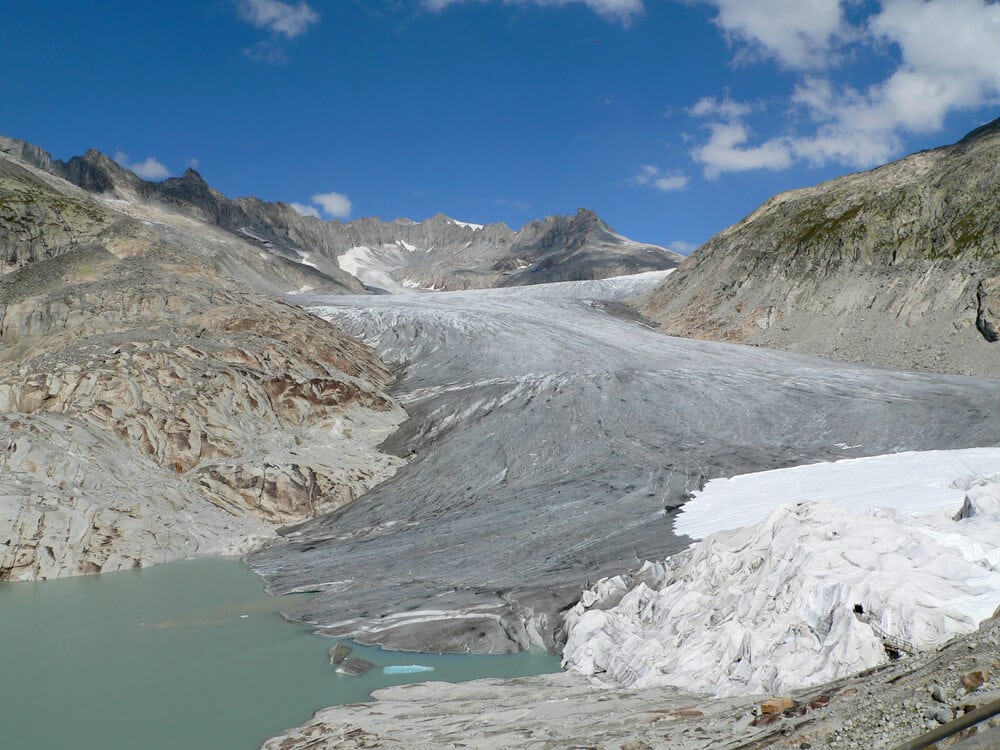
(853, 560)
(433, 256)
(550, 443)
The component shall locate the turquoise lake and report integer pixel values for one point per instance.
(188, 655)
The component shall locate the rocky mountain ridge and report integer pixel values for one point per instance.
(154, 404)
(899, 266)
(439, 253)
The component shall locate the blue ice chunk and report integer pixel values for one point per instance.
(406, 669)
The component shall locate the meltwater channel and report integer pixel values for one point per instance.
(192, 654)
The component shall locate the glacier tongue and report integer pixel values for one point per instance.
(771, 606)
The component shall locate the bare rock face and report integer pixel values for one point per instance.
(73, 501)
(37, 222)
(151, 405)
(899, 266)
(988, 309)
(26, 152)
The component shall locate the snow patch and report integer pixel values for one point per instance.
(411, 284)
(374, 267)
(306, 259)
(913, 482)
(466, 224)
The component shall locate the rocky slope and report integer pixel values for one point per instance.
(153, 403)
(439, 253)
(899, 266)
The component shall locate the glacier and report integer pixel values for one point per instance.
(912, 540)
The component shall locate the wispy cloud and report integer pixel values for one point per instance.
(283, 22)
(654, 177)
(278, 17)
(725, 107)
(621, 11)
(681, 247)
(513, 203)
(150, 169)
(303, 210)
(267, 50)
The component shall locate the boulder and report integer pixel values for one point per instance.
(338, 653)
(354, 666)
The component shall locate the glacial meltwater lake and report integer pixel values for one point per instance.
(188, 655)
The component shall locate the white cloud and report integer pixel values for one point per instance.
(623, 11)
(267, 50)
(725, 151)
(278, 17)
(946, 61)
(654, 177)
(303, 210)
(335, 205)
(949, 58)
(150, 169)
(798, 33)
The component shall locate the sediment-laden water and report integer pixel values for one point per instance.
(187, 655)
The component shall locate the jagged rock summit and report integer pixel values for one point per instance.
(898, 266)
(439, 253)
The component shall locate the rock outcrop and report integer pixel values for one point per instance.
(153, 405)
(899, 266)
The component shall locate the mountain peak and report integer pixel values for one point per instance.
(191, 175)
(983, 131)
(97, 172)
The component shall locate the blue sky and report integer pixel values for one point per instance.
(671, 118)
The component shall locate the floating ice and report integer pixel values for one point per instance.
(406, 669)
